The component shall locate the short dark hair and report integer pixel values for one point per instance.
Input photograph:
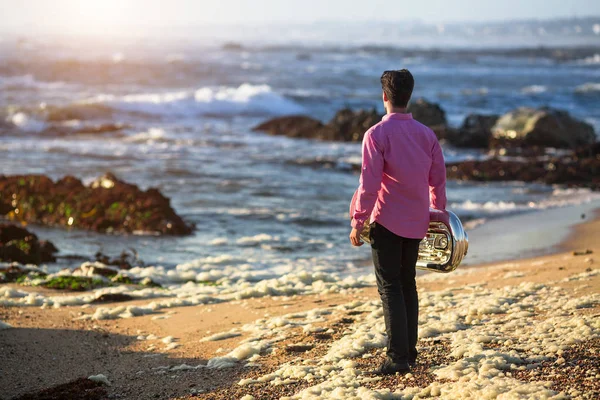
(398, 86)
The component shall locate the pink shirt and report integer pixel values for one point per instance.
(403, 174)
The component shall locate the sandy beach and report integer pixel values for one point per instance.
(519, 329)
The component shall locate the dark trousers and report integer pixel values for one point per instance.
(395, 258)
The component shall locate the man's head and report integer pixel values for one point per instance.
(397, 87)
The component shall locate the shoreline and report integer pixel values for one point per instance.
(519, 237)
(162, 354)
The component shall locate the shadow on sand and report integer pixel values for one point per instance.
(48, 364)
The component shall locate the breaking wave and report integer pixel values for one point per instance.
(534, 89)
(21, 82)
(589, 87)
(559, 198)
(246, 99)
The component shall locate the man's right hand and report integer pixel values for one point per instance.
(355, 238)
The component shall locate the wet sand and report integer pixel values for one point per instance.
(523, 329)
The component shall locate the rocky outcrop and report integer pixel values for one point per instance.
(475, 132)
(581, 169)
(430, 114)
(19, 245)
(107, 205)
(350, 126)
(346, 126)
(544, 127)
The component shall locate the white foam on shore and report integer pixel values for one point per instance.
(221, 336)
(469, 319)
(207, 280)
(246, 99)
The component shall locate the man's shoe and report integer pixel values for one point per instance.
(389, 367)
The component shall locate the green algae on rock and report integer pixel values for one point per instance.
(107, 205)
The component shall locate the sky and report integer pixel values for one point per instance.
(98, 16)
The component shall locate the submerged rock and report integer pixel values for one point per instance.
(19, 245)
(107, 205)
(544, 127)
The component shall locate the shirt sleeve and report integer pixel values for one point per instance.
(437, 178)
(370, 180)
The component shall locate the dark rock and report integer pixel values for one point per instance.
(591, 151)
(19, 245)
(544, 127)
(350, 126)
(127, 259)
(112, 298)
(107, 205)
(430, 114)
(346, 126)
(475, 131)
(47, 251)
(96, 270)
(298, 348)
(323, 336)
(567, 170)
(296, 126)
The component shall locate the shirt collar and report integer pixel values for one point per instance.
(400, 116)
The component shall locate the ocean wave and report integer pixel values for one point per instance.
(559, 198)
(534, 89)
(246, 99)
(20, 82)
(588, 87)
(25, 122)
(592, 60)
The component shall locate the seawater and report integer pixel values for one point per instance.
(189, 113)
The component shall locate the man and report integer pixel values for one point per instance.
(403, 174)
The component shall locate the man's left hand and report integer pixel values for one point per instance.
(355, 238)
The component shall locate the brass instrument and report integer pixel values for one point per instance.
(444, 246)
